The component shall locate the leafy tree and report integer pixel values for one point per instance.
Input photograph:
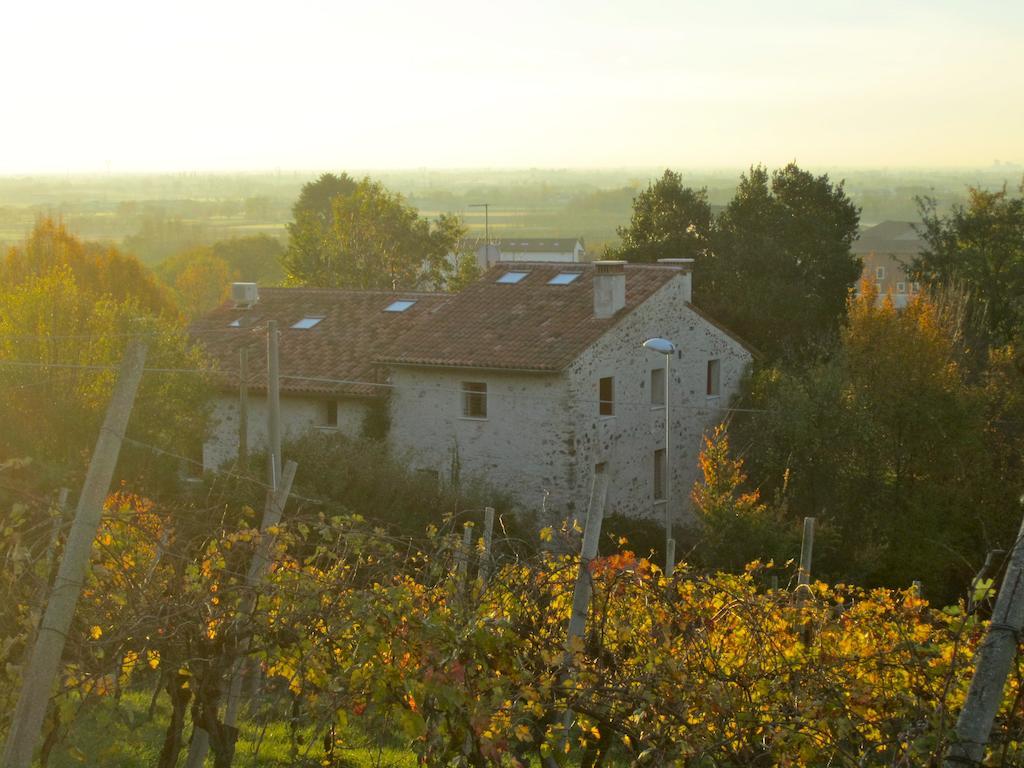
(317, 197)
(981, 247)
(374, 241)
(780, 266)
(256, 258)
(889, 443)
(735, 526)
(203, 283)
(100, 270)
(64, 323)
(669, 221)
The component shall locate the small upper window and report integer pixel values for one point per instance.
(606, 396)
(512, 277)
(714, 377)
(879, 273)
(399, 306)
(563, 278)
(657, 386)
(308, 322)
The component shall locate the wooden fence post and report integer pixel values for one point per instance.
(803, 578)
(43, 666)
(487, 563)
(993, 661)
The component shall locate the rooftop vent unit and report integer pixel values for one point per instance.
(244, 295)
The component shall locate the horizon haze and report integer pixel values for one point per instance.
(113, 88)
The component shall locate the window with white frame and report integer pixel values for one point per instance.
(474, 400)
(879, 273)
(901, 287)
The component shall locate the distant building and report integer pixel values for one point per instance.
(532, 378)
(887, 250)
(560, 250)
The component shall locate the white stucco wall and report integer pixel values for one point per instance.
(298, 415)
(626, 441)
(522, 447)
(544, 432)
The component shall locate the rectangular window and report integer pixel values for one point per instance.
(879, 273)
(474, 400)
(916, 287)
(657, 386)
(901, 287)
(659, 474)
(606, 395)
(714, 372)
(331, 416)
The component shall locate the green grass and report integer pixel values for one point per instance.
(120, 735)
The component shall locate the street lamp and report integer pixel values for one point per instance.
(666, 348)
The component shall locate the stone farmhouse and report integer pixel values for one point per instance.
(534, 377)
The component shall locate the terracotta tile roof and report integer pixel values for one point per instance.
(354, 330)
(528, 325)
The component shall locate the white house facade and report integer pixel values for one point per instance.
(534, 379)
(545, 427)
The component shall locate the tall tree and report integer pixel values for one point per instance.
(980, 246)
(900, 455)
(65, 318)
(780, 267)
(374, 241)
(669, 221)
(317, 197)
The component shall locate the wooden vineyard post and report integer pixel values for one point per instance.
(44, 663)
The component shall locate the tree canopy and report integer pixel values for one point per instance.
(775, 266)
(909, 462)
(372, 240)
(669, 221)
(981, 247)
(67, 308)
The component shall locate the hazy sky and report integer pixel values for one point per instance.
(213, 85)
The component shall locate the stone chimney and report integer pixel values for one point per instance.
(609, 287)
(686, 267)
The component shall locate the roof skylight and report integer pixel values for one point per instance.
(512, 277)
(307, 322)
(236, 323)
(563, 278)
(399, 306)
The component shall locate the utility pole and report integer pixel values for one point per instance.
(44, 664)
(487, 229)
(670, 542)
(243, 407)
(273, 407)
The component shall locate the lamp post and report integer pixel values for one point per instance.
(666, 348)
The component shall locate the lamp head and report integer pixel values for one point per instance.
(662, 346)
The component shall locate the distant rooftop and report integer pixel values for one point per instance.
(889, 237)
